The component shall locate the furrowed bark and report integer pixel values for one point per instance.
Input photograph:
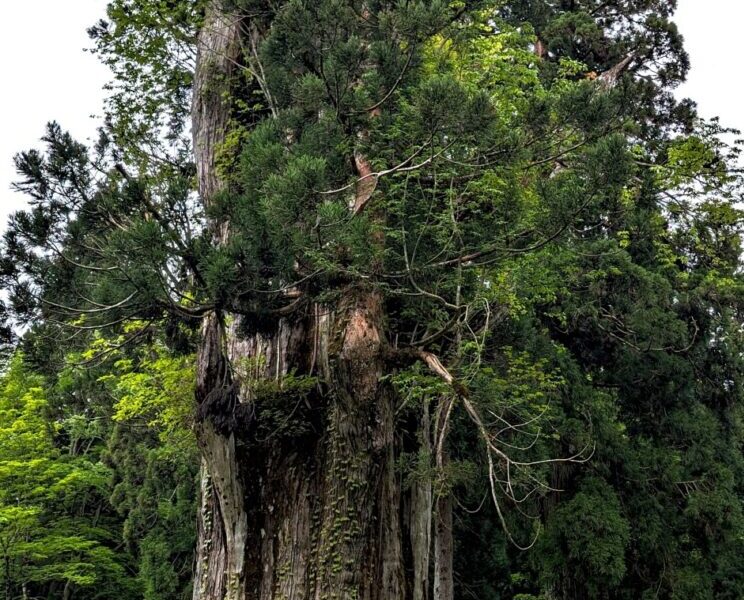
(421, 514)
(444, 547)
(218, 51)
(222, 522)
(443, 550)
(223, 518)
(313, 515)
(322, 520)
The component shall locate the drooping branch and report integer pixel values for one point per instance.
(495, 455)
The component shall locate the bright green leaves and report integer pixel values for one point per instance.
(112, 434)
(159, 393)
(687, 159)
(32, 468)
(150, 386)
(697, 164)
(488, 62)
(47, 533)
(570, 256)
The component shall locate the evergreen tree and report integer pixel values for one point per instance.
(441, 252)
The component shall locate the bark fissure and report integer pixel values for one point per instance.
(421, 512)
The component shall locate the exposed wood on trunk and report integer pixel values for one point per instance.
(609, 78)
(209, 572)
(540, 49)
(221, 555)
(322, 518)
(220, 456)
(366, 184)
(359, 519)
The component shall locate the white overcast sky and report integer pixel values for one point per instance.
(47, 76)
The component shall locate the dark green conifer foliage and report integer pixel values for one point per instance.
(518, 183)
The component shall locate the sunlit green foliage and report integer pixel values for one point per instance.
(52, 488)
(98, 457)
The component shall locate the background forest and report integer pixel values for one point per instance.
(554, 238)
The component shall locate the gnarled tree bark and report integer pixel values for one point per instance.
(314, 519)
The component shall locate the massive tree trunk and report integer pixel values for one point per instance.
(316, 514)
